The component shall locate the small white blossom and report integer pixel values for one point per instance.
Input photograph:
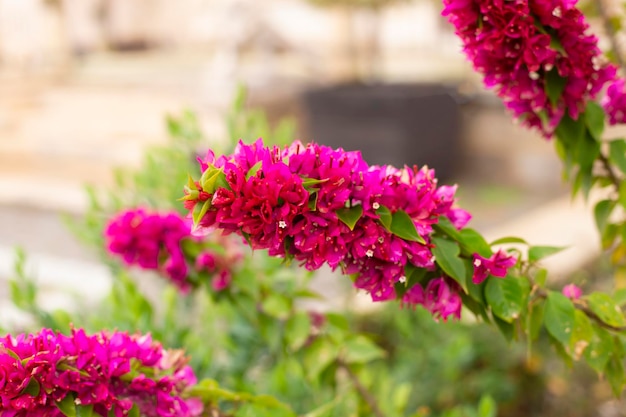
(369, 253)
(375, 206)
(282, 224)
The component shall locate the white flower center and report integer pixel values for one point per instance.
(282, 224)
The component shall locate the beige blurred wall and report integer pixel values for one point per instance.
(36, 35)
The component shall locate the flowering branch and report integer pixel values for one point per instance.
(394, 231)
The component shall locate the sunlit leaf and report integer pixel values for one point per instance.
(447, 257)
(350, 215)
(606, 309)
(506, 297)
(536, 253)
(403, 226)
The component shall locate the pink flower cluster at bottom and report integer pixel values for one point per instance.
(107, 371)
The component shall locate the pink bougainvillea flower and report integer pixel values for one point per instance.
(324, 206)
(572, 291)
(536, 55)
(110, 372)
(496, 265)
(154, 241)
(614, 102)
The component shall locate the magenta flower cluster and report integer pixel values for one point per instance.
(154, 241)
(108, 372)
(614, 101)
(294, 202)
(521, 46)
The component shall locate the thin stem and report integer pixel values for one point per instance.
(609, 169)
(363, 392)
(610, 32)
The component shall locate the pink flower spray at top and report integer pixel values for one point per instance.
(536, 54)
(163, 242)
(107, 373)
(320, 206)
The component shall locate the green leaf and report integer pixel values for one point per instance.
(277, 306)
(254, 169)
(555, 84)
(487, 407)
(559, 316)
(587, 152)
(403, 226)
(318, 355)
(313, 200)
(617, 154)
(506, 297)
(350, 215)
(622, 194)
(199, 210)
(507, 329)
(601, 213)
(614, 372)
(359, 350)
(606, 309)
(508, 239)
(298, 330)
(212, 179)
(594, 119)
(570, 131)
(536, 253)
(447, 257)
(134, 411)
(473, 242)
(541, 276)
(599, 350)
(32, 388)
(384, 217)
(445, 226)
(84, 410)
(555, 44)
(401, 396)
(609, 235)
(581, 336)
(620, 297)
(308, 183)
(67, 405)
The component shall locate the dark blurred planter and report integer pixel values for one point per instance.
(390, 123)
